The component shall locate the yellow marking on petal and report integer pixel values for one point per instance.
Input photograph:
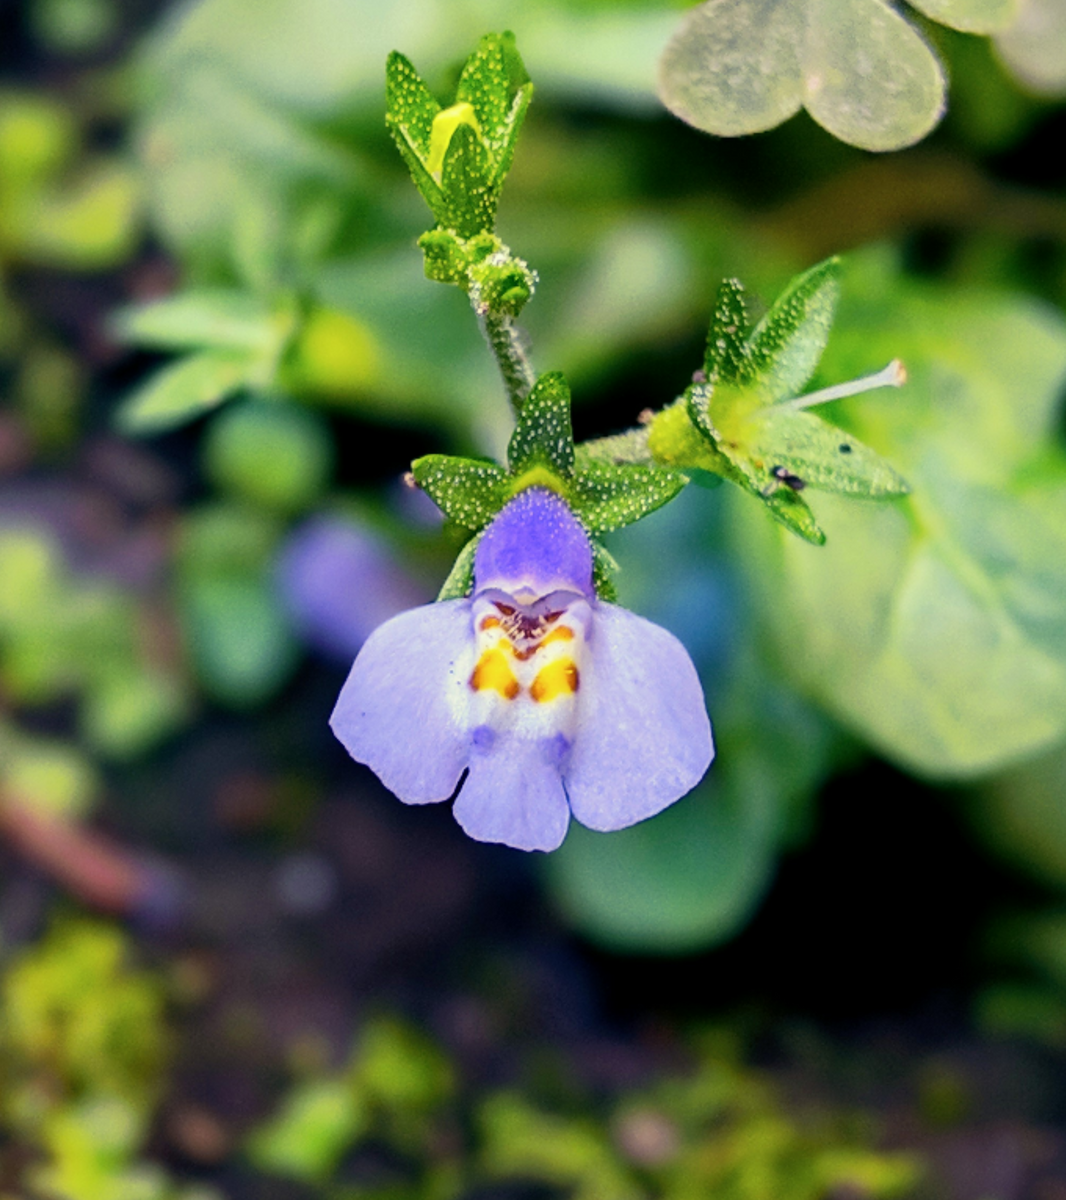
(490, 623)
(562, 634)
(558, 678)
(494, 673)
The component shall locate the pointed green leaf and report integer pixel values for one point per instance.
(788, 342)
(409, 118)
(467, 491)
(698, 405)
(461, 577)
(485, 84)
(608, 497)
(408, 102)
(225, 319)
(604, 569)
(186, 389)
(469, 195)
(794, 513)
(628, 447)
(544, 435)
(515, 119)
(727, 353)
(823, 455)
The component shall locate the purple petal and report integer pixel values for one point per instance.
(535, 542)
(339, 583)
(643, 738)
(514, 795)
(397, 712)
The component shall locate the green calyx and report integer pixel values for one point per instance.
(459, 156)
(541, 453)
(483, 266)
(742, 417)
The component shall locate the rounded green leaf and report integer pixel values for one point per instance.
(971, 16)
(680, 882)
(1034, 46)
(861, 70)
(734, 66)
(239, 640)
(271, 453)
(934, 626)
(870, 78)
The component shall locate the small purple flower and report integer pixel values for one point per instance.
(553, 702)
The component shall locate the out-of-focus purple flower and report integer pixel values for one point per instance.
(338, 583)
(550, 700)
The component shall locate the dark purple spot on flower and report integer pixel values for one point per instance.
(556, 749)
(483, 738)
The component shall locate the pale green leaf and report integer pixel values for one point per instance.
(226, 320)
(935, 627)
(184, 390)
(971, 16)
(682, 881)
(1034, 46)
(870, 77)
(239, 639)
(814, 452)
(864, 73)
(734, 66)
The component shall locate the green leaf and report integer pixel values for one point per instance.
(934, 627)
(460, 579)
(685, 880)
(276, 455)
(239, 639)
(515, 120)
(741, 66)
(186, 389)
(317, 1124)
(790, 510)
(971, 16)
(485, 84)
(1034, 49)
(803, 449)
(470, 196)
(494, 81)
(607, 497)
(410, 110)
(788, 342)
(224, 320)
(409, 106)
(544, 435)
(468, 491)
(604, 569)
(727, 358)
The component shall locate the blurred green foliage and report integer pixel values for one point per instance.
(83, 1055)
(718, 1130)
(61, 635)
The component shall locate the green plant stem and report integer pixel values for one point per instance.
(507, 344)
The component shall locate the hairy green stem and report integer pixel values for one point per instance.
(508, 344)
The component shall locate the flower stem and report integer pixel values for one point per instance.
(508, 344)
